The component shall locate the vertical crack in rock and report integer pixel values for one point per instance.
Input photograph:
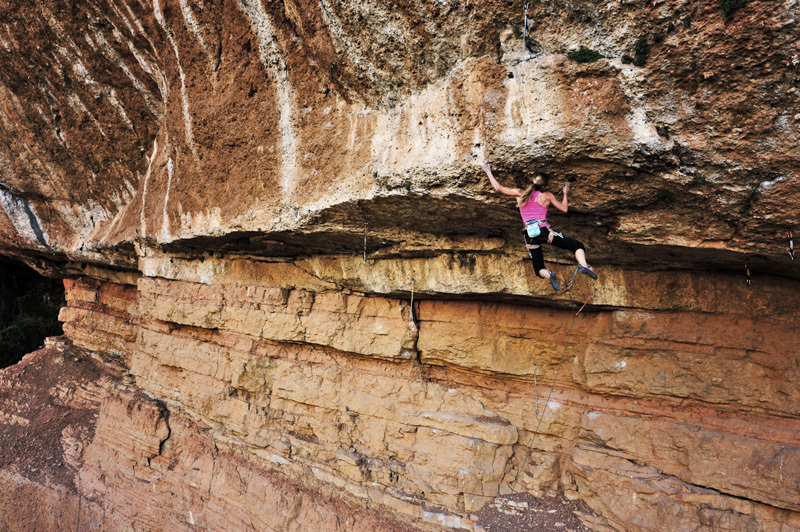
(165, 418)
(272, 59)
(162, 430)
(408, 348)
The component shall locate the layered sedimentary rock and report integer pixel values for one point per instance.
(658, 416)
(294, 302)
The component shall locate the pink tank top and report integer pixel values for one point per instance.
(533, 210)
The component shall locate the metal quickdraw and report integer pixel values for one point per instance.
(747, 270)
(791, 243)
(572, 281)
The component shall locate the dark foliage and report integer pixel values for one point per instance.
(729, 7)
(584, 55)
(665, 196)
(641, 49)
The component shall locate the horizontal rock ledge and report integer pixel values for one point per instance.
(497, 277)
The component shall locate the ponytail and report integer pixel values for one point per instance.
(526, 196)
(539, 182)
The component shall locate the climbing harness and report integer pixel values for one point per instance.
(747, 270)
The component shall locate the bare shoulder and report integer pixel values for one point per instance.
(548, 197)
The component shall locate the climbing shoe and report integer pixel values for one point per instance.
(588, 271)
(554, 282)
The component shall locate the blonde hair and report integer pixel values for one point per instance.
(538, 183)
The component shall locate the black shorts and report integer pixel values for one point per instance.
(548, 236)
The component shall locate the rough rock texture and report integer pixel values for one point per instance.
(281, 128)
(244, 197)
(110, 454)
(688, 418)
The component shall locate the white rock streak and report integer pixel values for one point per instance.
(72, 54)
(144, 186)
(112, 98)
(113, 5)
(346, 44)
(75, 101)
(134, 19)
(156, 74)
(187, 118)
(194, 27)
(165, 223)
(112, 54)
(272, 59)
(768, 184)
(4, 42)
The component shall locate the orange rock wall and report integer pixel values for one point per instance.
(245, 194)
(657, 418)
(115, 459)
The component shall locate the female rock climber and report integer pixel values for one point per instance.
(533, 203)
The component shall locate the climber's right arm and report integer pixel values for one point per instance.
(497, 186)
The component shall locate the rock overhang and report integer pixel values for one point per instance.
(236, 146)
(212, 173)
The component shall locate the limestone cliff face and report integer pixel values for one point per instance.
(280, 128)
(243, 196)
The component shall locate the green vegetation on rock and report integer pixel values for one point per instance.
(641, 49)
(729, 7)
(584, 55)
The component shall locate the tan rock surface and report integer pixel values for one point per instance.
(243, 197)
(129, 463)
(653, 394)
(279, 130)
